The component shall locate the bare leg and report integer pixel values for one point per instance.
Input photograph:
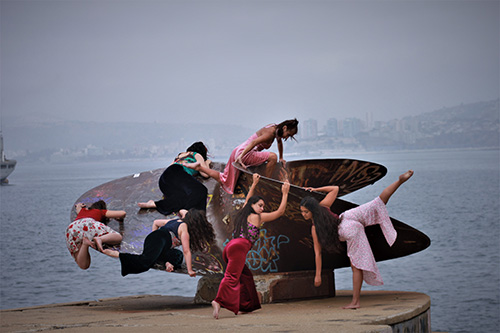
(201, 168)
(149, 204)
(88, 242)
(112, 238)
(357, 282)
(82, 257)
(389, 190)
(216, 308)
(271, 164)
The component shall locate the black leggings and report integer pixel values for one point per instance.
(157, 248)
(180, 191)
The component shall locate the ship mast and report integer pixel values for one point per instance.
(1, 147)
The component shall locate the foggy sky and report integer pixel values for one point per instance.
(244, 62)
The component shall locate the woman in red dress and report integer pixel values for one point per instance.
(90, 229)
(237, 290)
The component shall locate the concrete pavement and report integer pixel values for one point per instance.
(154, 313)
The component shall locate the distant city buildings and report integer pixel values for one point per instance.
(308, 129)
(465, 126)
(332, 127)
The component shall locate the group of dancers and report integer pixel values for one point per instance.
(186, 196)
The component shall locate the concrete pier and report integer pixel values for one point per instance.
(381, 311)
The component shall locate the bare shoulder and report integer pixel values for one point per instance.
(183, 227)
(267, 131)
(255, 219)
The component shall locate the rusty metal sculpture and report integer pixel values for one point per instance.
(284, 245)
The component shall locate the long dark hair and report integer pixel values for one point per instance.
(201, 232)
(100, 204)
(241, 217)
(200, 148)
(291, 124)
(326, 224)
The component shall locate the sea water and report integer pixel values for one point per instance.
(453, 198)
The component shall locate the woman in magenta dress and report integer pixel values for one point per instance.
(89, 229)
(328, 230)
(250, 153)
(237, 290)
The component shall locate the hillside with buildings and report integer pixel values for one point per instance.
(464, 126)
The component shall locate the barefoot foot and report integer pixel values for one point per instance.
(98, 242)
(216, 308)
(169, 267)
(111, 253)
(405, 176)
(355, 304)
(259, 295)
(149, 204)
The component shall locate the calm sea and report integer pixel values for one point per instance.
(453, 198)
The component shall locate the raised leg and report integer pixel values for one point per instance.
(82, 257)
(389, 190)
(112, 238)
(271, 164)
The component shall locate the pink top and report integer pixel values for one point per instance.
(254, 157)
(253, 233)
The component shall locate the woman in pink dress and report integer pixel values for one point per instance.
(250, 153)
(328, 229)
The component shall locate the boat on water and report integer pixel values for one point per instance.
(6, 166)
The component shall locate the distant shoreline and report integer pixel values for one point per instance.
(288, 156)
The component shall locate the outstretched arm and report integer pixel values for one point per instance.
(251, 191)
(331, 194)
(184, 235)
(280, 149)
(116, 214)
(205, 164)
(317, 257)
(268, 217)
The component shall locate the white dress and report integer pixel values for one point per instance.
(352, 231)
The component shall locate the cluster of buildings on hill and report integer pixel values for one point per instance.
(352, 127)
(464, 126)
(335, 135)
(356, 134)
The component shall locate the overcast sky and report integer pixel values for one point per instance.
(244, 62)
